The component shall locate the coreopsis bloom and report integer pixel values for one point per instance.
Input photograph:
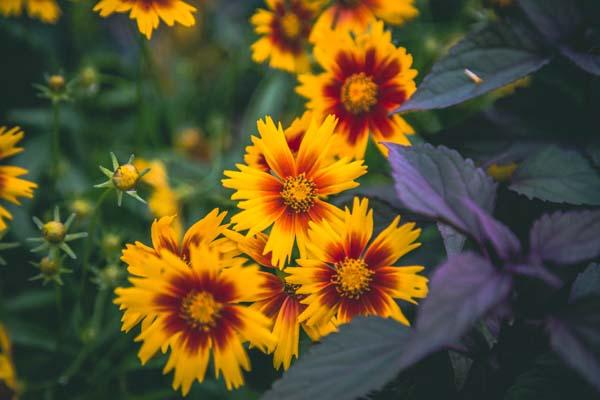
(279, 302)
(284, 29)
(148, 13)
(195, 308)
(8, 375)
(11, 186)
(294, 134)
(344, 276)
(292, 192)
(365, 78)
(46, 11)
(357, 15)
(163, 200)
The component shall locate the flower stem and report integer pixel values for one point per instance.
(89, 241)
(55, 140)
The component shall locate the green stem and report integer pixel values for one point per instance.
(55, 140)
(89, 241)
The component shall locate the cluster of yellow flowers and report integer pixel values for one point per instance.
(289, 259)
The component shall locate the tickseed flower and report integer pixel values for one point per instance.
(123, 178)
(51, 268)
(357, 15)
(279, 302)
(193, 143)
(195, 308)
(163, 199)
(55, 234)
(294, 134)
(284, 30)
(148, 13)
(11, 186)
(9, 387)
(292, 192)
(46, 11)
(81, 207)
(365, 78)
(344, 276)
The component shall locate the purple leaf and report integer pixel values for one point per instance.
(536, 271)
(575, 336)
(502, 239)
(439, 183)
(463, 290)
(566, 238)
(586, 284)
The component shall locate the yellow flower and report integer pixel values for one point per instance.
(502, 172)
(148, 13)
(292, 192)
(365, 78)
(284, 30)
(8, 375)
(11, 186)
(163, 200)
(191, 303)
(279, 302)
(344, 276)
(45, 10)
(357, 15)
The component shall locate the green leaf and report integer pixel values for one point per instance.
(28, 300)
(347, 365)
(560, 176)
(587, 283)
(499, 53)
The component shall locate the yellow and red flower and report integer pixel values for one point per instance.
(279, 302)
(344, 276)
(11, 186)
(46, 11)
(148, 13)
(284, 29)
(357, 15)
(292, 192)
(190, 300)
(365, 78)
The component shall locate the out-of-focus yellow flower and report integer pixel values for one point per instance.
(193, 143)
(512, 87)
(365, 78)
(357, 15)
(284, 29)
(502, 172)
(163, 201)
(45, 10)
(8, 375)
(148, 13)
(192, 298)
(11, 186)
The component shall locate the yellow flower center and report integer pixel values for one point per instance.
(359, 93)
(126, 177)
(201, 310)
(299, 193)
(291, 26)
(54, 231)
(352, 277)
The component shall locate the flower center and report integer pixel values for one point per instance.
(359, 93)
(352, 278)
(54, 231)
(126, 177)
(290, 25)
(299, 193)
(200, 310)
(348, 3)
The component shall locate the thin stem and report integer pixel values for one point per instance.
(89, 241)
(55, 140)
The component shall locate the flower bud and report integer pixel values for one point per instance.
(54, 232)
(126, 177)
